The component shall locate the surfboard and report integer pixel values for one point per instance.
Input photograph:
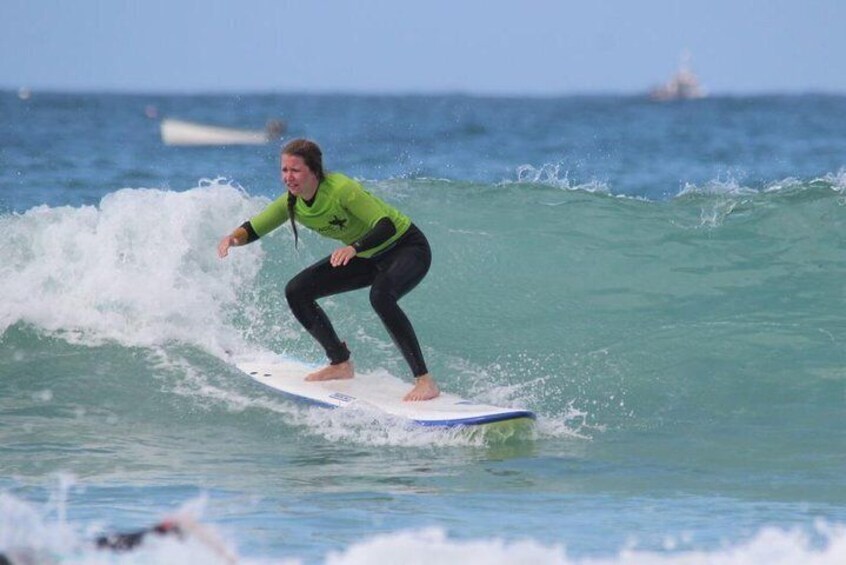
(383, 392)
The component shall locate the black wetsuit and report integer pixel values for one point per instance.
(390, 275)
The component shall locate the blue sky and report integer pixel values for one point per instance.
(534, 47)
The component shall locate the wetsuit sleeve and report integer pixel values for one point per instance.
(381, 232)
(271, 217)
(251, 233)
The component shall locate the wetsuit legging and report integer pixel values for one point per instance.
(390, 275)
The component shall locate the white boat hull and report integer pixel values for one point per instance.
(179, 132)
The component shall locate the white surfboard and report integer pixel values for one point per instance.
(383, 392)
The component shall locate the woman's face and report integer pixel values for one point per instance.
(299, 179)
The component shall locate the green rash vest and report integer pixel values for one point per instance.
(342, 210)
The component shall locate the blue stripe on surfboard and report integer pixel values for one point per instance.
(469, 421)
(478, 420)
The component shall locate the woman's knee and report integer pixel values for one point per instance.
(382, 299)
(297, 289)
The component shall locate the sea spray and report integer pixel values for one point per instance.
(139, 269)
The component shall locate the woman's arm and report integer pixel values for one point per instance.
(273, 216)
(242, 235)
(381, 232)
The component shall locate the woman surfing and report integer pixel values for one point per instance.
(381, 249)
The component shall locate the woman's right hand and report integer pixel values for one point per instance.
(225, 244)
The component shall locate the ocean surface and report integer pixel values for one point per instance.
(664, 284)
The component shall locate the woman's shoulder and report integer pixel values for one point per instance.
(341, 186)
(339, 180)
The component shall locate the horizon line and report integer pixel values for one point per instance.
(228, 91)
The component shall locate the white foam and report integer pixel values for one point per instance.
(770, 546)
(551, 174)
(732, 187)
(43, 534)
(528, 389)
(140, 269)
(838, 183)
(29, 534)
(364, 425)
(432, 545)
(729, 186)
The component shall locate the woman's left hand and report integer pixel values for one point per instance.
(342, 256)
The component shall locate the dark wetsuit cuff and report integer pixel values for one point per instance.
(251, 233)
(381, 232)
(339, 354)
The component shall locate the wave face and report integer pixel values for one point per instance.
(682, 344)
(711, 312)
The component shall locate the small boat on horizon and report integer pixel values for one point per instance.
(684, 84)
(182, 132)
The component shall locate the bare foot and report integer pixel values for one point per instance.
(333, 372)
(424, 389)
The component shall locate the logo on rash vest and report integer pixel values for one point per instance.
(339, 223)
(333, 226)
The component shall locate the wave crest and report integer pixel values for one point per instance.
(139, 269)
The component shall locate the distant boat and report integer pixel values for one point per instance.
(684, 84)
(181, 132)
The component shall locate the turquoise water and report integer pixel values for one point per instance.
(662, 284)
